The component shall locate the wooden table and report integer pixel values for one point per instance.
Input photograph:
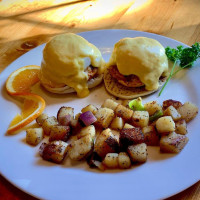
(25, 24)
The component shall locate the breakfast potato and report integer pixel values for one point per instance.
(124, 160)
(88, 130)
(80, 149)
(171, 111)
(110, 103)
(173, 143)
(138, 152)
(106, 143)
(104, 117)
(77, 116)
(126, 125)
(59, 132)
(124, 112)
(165, 125)
(41, 118)
(65, 115)
(117, 123)
(91, 108)
(140, 118)
(95, 161)
(54, 151)
(151, 137)
(48, 124)
(34, 136)
(171, 102)
(188, 111)
(126, 103)
(181, 127)
(111, 160)
(152, 106)
(116, 134)
(129, 136)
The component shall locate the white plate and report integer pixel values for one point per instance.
(161, 176)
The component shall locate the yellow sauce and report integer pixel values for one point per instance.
(63, 62)
(143, 57)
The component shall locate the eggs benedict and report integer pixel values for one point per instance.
(71, 64)
(137, 67)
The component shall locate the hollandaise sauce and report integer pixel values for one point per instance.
(63, 62)
(143, 57)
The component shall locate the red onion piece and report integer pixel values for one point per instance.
(88, 118)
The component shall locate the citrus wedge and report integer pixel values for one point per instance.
(33, 107)
(21, 80)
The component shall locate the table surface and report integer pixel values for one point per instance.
(25, 24)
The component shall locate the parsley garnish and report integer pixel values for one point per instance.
(185, 57)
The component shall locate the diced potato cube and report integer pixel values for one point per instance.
(165, 124)
(106, 143)
(117, 123)
(104, 117)
(181, 127)
(130, 136)
(171, 102)
(126, 103)
(65, 115)
(54, 151)
(173, 143)
(138, 152)
(109, 103)
(125, 113)
(126, 125)
(41, 119)
(111, 160)
(188, 111)
(34, 136)
(151, 137)
(140, 118)
(48, 124)
(171, 111)
(124, 160)
(79, 149)
(59, 132)
(91, 108)
(116, 134)
(152, 107)
(87, 130)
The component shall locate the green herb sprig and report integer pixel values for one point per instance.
(185, 57)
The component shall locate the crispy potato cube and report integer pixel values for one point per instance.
(151, 137)
(138, 152)
(126, 125)
(130, 136)
(88, 130)
(104, 117)
(181, 127)
(111, 160)
(106, 143)
(54, 151)
(80, 149)
(116, 134)
(171, 111)
(48, 124)
(41, 119)
(65, 115)
(173, 143)
(152, 106)
(188, 111)
(124, 160)
(140, 118)
(77, 116)
(34, 136)
(171, 102)
(110, 103)
(89, 107)
(117, 123)
(122, 111)
(165, 124)
(59, 132)
(126, 103)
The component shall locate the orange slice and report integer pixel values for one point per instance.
(21, 80)
(33, 107)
